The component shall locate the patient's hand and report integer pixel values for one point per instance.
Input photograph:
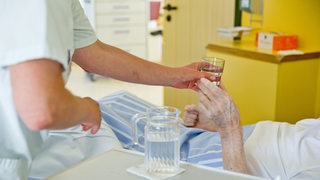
(216, 104)
(194, 118)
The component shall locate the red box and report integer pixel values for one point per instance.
(276, 41)
(154, 9)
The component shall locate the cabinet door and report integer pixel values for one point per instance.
(191, 27)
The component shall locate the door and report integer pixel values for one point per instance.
(189, 25)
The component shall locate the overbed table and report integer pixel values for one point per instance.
(113, 164)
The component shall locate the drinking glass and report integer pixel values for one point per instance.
(214, 66)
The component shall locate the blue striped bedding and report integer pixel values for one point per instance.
(196, 145)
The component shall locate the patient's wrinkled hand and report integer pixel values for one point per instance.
(194, 118)
(216, 104)
(190, 117)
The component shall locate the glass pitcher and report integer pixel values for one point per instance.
(161, 132)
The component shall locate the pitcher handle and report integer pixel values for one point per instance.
(135, 120)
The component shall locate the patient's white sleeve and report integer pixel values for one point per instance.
(285, 150)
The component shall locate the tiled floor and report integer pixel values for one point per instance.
(79, 84)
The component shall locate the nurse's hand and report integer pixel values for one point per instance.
(93, 120)
(187, 76)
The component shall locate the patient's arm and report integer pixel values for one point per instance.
(218, 107)
(232, 149)
(231, 138)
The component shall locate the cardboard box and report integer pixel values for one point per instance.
(276, 41)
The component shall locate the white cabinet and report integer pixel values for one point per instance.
(123, 23)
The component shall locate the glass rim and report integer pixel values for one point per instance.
(212, 58)
(163, 107)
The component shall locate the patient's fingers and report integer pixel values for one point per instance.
(204, 87)
(189, 123)
(191, 109)
(190, 117)
(213, 97)
(204, 104)
(209, 89)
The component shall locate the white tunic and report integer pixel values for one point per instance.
(285, 150)
(29, 30)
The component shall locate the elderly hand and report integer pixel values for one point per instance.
(218, 105)
(194, 118)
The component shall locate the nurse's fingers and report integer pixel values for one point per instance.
(93, 129)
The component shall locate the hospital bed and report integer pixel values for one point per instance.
(66, 148)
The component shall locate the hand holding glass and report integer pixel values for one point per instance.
(214, 66)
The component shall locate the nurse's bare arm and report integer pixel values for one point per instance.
(43, 102)
(112, 62)
(218, 106)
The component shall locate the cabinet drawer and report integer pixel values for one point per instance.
(103, 7)
(108, 20)
(122, 35)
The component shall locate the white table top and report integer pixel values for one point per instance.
(113, 164)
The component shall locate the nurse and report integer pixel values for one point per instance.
(38, 41)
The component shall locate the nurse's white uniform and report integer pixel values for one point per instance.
(29, 30)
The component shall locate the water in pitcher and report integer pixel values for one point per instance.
(162, 151)
(162, 146)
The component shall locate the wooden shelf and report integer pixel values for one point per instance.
(247, 49)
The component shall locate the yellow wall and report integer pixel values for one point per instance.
(318, 94)
(294, 17)
(301, 18)
(297, 90)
